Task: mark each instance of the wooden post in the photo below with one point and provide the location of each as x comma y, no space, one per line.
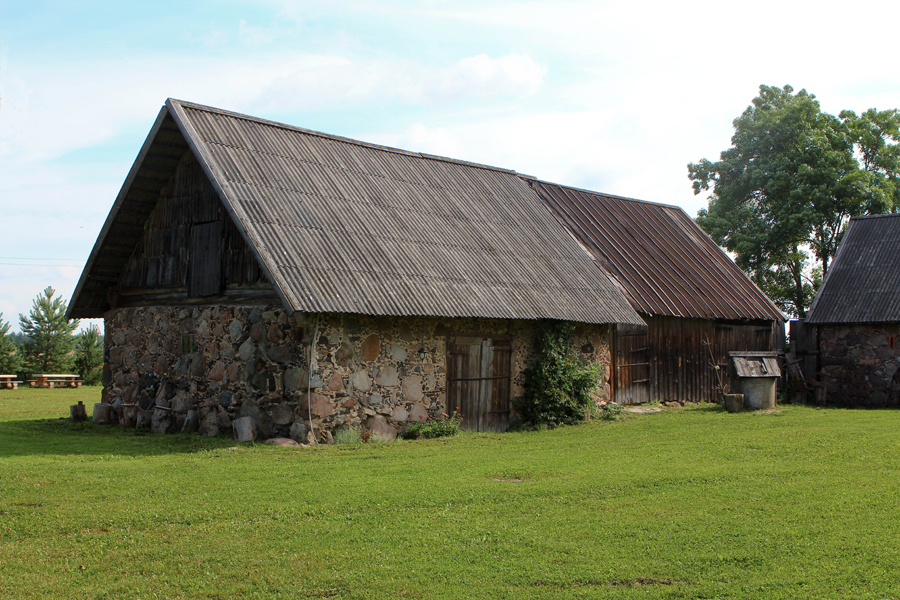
77,412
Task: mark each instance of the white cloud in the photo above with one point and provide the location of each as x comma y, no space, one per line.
313,82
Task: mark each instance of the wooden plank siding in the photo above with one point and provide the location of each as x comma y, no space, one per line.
190,248
679,362
478,381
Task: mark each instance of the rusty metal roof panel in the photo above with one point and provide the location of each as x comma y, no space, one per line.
345,226
863,282
662,260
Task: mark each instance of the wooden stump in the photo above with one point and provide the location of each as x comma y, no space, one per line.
734,402
161,421
104,414
128,414
78,412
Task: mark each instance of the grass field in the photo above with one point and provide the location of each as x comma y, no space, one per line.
688,503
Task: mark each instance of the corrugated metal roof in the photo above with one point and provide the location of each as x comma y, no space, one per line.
863,282
345,226
662,260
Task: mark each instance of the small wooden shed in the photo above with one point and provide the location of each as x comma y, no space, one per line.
854,322
698,305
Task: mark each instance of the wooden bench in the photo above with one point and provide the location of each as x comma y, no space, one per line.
52,380
8,382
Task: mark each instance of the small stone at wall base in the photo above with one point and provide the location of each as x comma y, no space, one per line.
244,429
379,428
280,442
400,414
263,421
299,432
209,422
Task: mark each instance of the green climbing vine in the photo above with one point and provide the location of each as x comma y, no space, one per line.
558,386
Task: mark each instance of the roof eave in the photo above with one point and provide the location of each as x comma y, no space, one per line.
73,311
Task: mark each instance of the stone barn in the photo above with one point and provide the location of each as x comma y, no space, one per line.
854,322
687,290
250,268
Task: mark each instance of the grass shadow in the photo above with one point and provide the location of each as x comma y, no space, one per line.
60,437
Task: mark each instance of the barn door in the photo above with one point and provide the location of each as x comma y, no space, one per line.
206,259
478,381
631,371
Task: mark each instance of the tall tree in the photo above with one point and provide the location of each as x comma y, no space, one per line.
789,183
10,357
48,336
89,355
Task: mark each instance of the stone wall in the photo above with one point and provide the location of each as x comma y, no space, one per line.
229,362
860,364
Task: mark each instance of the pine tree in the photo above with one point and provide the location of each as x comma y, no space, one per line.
10,356
48,336
89,355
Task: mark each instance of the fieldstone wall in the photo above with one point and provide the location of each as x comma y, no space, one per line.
175,368
860,364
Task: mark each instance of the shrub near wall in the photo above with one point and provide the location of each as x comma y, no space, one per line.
229,362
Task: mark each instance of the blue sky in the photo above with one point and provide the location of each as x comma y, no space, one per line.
610,96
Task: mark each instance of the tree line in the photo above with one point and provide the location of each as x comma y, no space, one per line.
48,343
784,191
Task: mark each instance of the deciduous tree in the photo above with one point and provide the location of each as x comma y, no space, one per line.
789,183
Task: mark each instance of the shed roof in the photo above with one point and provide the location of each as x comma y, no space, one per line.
344,226
664,263
863,283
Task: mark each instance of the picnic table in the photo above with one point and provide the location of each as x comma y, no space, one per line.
52,380
8,382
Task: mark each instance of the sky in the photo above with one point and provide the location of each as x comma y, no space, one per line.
616,97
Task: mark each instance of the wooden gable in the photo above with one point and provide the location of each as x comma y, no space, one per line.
190,250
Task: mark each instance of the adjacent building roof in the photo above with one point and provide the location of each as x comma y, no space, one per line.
863,282
663,262
343,226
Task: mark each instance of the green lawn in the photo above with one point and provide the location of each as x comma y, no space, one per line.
690,503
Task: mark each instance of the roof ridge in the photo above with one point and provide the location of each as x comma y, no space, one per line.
861,217
338,138
596,193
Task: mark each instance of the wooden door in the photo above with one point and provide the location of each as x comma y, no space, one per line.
478,381
631,366
206,259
